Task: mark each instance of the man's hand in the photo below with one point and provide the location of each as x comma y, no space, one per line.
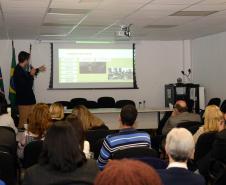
33,72
42,68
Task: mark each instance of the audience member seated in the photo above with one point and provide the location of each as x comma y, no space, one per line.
180,115
213,121
56,112
5,118
127,137
127,172
179,148
61,161
89,120
77,125
218,161
38,123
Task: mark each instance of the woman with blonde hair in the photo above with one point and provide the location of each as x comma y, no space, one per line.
89,120
56,112
213,121
38,123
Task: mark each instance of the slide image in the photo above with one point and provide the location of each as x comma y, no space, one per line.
120,74
92,67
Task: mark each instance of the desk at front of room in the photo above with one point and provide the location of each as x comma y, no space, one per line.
148,118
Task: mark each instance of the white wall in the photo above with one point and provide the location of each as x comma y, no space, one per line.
209,64
157,63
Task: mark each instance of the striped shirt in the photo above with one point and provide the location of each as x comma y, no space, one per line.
126,138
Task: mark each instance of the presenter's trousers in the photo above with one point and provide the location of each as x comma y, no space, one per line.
24,111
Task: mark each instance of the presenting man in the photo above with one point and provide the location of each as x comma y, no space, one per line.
23,81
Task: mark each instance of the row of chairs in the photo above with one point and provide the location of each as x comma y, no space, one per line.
102,102
9,166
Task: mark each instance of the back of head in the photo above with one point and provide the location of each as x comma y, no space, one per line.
23,56
56,111
61,151
88,119
3,104
212,118
39,119
214,101
77,126
127,172
181,106
179,144
128,115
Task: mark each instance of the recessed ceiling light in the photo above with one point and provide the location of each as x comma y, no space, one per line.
93,42
193,13
159,26
67,11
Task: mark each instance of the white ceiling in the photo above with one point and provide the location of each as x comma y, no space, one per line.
99,19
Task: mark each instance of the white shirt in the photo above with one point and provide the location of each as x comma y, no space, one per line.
177,165
7,121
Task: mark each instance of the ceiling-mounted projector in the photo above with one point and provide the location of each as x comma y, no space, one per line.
124,32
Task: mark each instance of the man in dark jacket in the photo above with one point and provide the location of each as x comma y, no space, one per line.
23,80
179,147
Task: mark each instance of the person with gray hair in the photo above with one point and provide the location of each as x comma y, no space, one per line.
179,148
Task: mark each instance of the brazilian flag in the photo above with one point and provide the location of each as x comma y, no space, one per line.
12,92
1,83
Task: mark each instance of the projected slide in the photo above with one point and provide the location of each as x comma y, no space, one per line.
106,66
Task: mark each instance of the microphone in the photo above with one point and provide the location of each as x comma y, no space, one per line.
189,71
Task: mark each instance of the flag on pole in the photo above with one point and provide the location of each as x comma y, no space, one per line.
1,83
12,92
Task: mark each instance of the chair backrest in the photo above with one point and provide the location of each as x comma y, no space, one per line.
122,103
154,162
91,104
217,172
8,168
214,101
204,145
106,102
192,126
32,152
8,140
144,154
135,152
96,138
223,106
77,101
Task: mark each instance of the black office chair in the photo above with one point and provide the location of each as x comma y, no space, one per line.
77,101
223,106
8,140
106,102
91,104
32,152
8,168
144,154
122,103
204,145
192,126
96,138
135,152
214,101
217,172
